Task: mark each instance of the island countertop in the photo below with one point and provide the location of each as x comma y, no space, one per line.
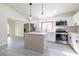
35,33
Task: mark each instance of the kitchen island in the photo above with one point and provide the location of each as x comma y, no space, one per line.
35,41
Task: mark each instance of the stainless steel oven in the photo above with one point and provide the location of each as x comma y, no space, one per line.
62,37
61,23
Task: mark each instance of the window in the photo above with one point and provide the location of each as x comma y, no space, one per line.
47,26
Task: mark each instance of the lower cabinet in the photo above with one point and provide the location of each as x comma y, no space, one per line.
35,41
51,36
74,41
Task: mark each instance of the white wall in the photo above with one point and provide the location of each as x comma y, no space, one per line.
5,14
16,28
10,13
19,29
11,28
3,31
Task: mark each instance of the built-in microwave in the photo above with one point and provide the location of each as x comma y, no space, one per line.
61,23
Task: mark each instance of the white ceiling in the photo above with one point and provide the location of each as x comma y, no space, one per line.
50,9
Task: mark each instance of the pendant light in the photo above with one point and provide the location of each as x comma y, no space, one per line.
42,11
30,17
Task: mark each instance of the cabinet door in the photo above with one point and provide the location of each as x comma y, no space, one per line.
76,21
70,22
51,36
75,44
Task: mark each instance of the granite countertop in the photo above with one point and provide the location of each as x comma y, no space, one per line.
77,33
72,29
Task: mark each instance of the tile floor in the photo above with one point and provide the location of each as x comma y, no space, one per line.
15,47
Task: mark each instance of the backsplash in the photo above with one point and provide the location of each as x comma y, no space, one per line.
72,29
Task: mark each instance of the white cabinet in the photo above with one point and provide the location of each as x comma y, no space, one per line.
76,19
70,22
74,41
51,36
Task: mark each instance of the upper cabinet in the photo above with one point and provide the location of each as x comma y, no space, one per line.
76,19
70,21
